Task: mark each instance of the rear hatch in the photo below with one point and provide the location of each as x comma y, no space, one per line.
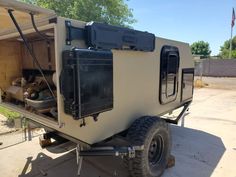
21,13
13,53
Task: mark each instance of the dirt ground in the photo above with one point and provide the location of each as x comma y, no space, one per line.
226,83
5,126
204,147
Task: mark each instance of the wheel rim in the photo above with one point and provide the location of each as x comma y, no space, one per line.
155,151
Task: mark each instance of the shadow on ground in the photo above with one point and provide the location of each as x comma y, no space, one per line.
197,154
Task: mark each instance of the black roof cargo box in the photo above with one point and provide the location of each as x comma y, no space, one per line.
104,36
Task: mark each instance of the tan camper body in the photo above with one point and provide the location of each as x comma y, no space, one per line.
137,86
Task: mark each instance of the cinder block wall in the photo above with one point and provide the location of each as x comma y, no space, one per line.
216,68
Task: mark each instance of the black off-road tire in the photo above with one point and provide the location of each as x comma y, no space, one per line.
154,134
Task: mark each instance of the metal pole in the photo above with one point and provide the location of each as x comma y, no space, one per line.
230,50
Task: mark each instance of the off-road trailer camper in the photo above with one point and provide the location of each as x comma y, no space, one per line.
90,82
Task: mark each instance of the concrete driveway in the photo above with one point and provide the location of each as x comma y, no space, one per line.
204,147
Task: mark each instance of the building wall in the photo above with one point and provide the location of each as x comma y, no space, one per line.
216,68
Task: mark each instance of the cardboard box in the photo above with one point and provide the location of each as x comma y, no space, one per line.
16,92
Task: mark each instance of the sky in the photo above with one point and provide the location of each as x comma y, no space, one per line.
186,20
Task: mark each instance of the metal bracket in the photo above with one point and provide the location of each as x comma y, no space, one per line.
131,152
181,115
73,33
29,131
105,151
112,151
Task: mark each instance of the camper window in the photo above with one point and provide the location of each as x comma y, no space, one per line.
169,74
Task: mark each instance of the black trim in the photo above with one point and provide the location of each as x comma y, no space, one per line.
186,71
174,50
53,20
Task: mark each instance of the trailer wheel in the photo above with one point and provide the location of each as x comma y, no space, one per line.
154,134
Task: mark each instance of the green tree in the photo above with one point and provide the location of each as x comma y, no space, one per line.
201,48
115,12
224,50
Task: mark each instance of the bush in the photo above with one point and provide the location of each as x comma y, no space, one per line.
10,115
